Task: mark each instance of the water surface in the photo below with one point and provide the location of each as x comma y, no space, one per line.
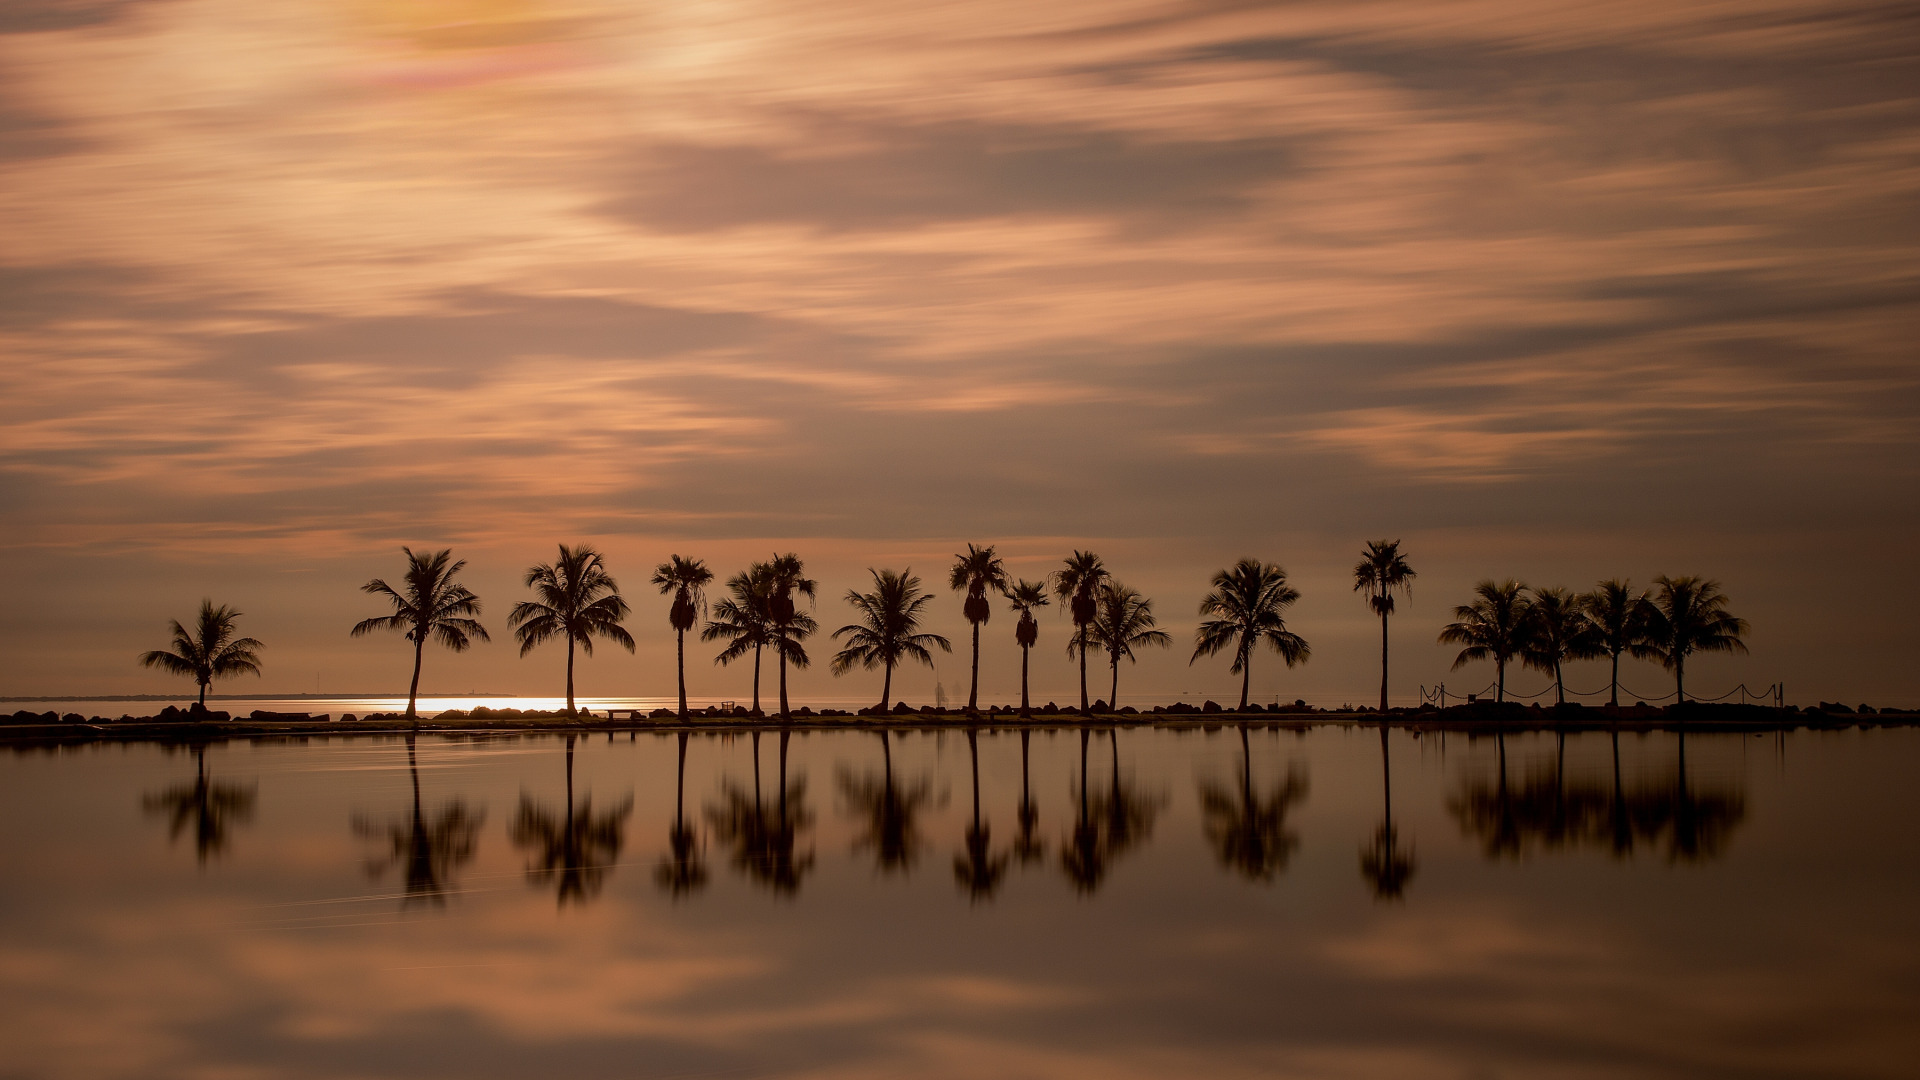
1139,903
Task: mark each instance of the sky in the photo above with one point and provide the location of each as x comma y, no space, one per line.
1560,293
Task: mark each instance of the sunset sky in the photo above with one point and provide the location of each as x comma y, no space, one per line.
1560,292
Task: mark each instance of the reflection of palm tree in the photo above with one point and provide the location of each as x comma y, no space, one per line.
429,605
889,810
1493,627
686,581
1123,621
1689,616
1028,846
574,849
1386,868
428,848
207,808
888,630
743,622
1129,813
1246,602
1026,595
210,652
763,838
1082,856
976,572
681,872
1249,832
1382,571
578,600
979,869
1077,585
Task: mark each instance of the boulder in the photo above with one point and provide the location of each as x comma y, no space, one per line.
1099,706
1210,706
903,709
662,714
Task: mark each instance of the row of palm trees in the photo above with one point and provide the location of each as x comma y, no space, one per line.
1546,628
578,601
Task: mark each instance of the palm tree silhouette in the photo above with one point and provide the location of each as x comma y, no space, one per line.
681,872
743,620
1386,868
427,848
888,630
578,600
1123,621
976,572
1382,571
575,848
1493,627
1247,600
1077,585
1028,846
1558,631
978,869
889,811
1249,832
1690,616
1025,596
210,652
787,626
203,806
1618,617
431,606
686,581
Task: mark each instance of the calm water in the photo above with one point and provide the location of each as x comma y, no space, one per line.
1730,906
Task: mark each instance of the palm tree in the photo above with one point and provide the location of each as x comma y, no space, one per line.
1083,855
1027,844
1689,616
1077,585
742,620
1025,596
1124,621
976,572
427,849
787,626
888,630
1380,571
889,811
1559,631
1247,600
578,600
686,581
431,606
1618,617
1492,627
575,848
210,652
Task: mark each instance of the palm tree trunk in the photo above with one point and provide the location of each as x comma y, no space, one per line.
784,714
756,678
1246,678
1113,695
973,689
886,691
1559,685
1083,668
1500,680
413,692
569,674
1383,663
1026,707
680,786
1679,677
1386,776
973,755
203,694
1614,700
680,647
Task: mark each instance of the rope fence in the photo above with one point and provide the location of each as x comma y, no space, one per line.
1774,694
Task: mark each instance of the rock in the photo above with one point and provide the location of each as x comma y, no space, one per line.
1128,710
903,709
1834,707
1099,706
1252,707
1210,706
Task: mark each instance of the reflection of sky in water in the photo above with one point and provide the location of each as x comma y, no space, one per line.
491,909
